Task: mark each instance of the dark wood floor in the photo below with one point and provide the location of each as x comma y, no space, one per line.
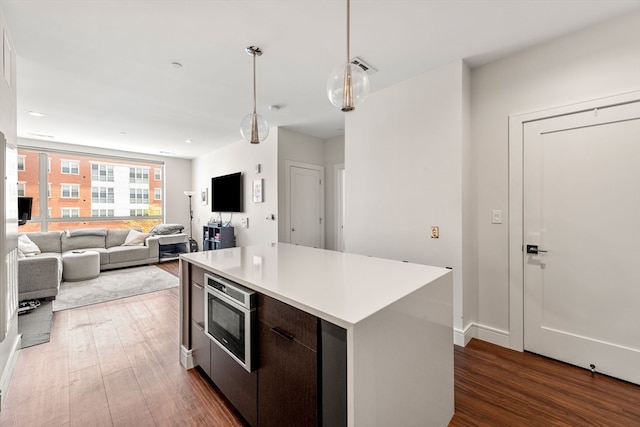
116,364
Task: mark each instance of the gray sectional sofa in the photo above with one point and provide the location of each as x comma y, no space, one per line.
39,275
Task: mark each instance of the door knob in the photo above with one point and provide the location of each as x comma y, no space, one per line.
533,249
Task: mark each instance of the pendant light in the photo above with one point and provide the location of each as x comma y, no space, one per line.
348,84
254,127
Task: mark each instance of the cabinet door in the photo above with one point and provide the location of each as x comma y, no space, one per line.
287,380
200,342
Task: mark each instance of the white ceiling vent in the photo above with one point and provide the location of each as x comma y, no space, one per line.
366,67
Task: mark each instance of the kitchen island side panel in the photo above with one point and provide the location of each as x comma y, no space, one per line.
400,361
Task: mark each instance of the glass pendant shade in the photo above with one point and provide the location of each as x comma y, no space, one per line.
254,128
347,86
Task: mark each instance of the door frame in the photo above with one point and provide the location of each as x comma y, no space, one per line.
287,217
516,201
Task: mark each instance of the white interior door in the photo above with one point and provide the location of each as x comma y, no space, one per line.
306,197
582,207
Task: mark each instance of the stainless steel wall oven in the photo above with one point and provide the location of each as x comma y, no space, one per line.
230,319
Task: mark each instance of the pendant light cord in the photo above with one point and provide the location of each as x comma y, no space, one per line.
254,82
348,28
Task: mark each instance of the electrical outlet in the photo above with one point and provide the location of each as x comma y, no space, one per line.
245,222
435,232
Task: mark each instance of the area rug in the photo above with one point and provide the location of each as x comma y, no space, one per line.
112,285
35,326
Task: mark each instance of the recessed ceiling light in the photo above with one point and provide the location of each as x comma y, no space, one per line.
35,114
166,152
188,141
176,65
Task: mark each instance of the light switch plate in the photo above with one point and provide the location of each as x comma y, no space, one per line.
245,222
496,216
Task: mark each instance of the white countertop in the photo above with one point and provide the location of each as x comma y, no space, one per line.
339,287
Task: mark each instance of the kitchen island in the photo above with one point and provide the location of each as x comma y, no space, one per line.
382,352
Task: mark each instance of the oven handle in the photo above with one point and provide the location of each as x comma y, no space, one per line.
278,331
213,291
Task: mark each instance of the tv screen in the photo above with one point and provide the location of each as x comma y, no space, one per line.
226,193
24,209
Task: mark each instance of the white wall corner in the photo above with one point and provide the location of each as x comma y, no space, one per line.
481,332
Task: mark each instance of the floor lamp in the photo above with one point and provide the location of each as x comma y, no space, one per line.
193,245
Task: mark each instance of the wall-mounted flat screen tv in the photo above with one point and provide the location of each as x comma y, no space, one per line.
24,209
226,193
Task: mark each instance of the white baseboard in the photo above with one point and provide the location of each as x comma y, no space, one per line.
186,358
8,370
482,332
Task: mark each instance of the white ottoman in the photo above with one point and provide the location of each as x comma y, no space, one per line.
80,265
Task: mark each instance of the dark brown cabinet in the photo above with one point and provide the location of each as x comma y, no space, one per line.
200,342
287,374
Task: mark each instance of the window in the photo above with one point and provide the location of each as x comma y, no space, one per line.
102,173
102,195
95,188
70,167
21,189
70,212
70,191
102,212
139,175
21,166
139,196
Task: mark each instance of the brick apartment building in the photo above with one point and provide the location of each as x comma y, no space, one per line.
90,192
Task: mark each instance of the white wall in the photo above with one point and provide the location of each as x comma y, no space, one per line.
242,157
177,173
404,153
333,156
597,62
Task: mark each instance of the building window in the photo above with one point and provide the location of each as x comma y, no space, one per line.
49,210
157,194
102,212
102,173
21,189
157,174
70,191
139,196
139,175
48,164
21,166
102,195
70,167
70,212
48,190
138,212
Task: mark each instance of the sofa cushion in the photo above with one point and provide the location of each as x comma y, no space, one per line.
135,238
166,229
26,246
117,237
47,241
119,254
82,242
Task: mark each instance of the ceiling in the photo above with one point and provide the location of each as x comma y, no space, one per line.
101,73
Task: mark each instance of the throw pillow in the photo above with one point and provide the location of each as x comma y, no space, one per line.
135,238
26,246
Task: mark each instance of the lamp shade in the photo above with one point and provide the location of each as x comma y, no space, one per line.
254,128
347,86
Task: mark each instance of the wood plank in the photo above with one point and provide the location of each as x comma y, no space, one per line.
126,402
88,405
